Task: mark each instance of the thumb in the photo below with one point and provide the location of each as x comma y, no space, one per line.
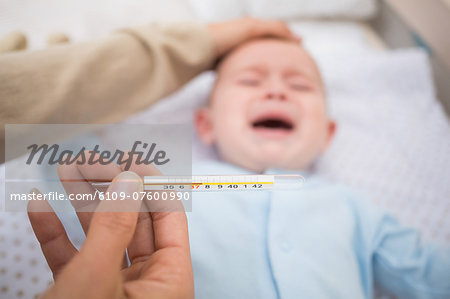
110,231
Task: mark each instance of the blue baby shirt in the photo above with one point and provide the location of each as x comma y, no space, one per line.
318,242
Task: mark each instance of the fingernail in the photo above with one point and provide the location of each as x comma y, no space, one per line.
128,182
38,204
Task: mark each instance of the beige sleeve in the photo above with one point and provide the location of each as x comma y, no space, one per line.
101,81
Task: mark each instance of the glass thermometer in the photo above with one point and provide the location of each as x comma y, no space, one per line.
219,182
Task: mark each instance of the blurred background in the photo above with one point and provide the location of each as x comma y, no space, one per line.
386,67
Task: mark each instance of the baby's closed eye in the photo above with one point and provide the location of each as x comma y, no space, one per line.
299,84
249,81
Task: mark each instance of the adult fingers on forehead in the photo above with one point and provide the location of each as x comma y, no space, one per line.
274,28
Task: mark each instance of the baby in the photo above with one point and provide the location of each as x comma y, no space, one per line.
268,108
268,114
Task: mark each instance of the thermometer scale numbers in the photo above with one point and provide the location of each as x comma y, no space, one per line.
209,183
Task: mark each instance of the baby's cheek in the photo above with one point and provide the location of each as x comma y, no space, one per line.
314,128
316,114
224,124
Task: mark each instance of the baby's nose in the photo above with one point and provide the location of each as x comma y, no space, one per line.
275,94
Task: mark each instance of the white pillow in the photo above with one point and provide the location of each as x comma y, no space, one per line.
283,9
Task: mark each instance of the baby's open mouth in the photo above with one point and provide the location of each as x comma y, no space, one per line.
273,124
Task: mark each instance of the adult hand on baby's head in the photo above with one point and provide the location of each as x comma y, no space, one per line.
227,35
157,243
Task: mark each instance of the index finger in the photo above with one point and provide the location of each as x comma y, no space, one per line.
273,28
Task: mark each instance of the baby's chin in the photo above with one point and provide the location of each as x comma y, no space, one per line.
298,156
281,159
262,164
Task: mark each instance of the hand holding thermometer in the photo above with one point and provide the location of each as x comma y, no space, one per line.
219,182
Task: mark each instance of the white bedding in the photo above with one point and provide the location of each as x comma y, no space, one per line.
284,9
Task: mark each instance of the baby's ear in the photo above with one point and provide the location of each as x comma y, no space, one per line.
331,131
204,126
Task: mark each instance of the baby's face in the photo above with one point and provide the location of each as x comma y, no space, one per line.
267,109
